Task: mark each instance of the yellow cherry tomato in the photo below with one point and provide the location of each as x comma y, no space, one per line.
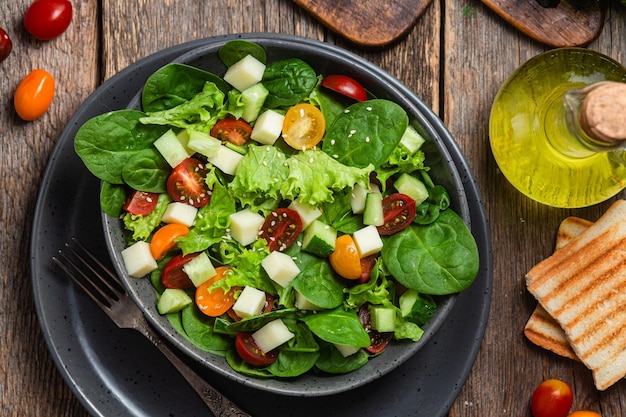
304,126
345,259
164,239
34,94
584,414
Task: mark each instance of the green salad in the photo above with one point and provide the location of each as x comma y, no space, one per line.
285,218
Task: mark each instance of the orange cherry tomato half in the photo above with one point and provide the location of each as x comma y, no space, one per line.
235,131
5,45
216,302
552,398
345,85
164,239
584,414
304,126
345,259
34,94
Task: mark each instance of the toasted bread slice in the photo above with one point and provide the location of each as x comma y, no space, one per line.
541,329
583,287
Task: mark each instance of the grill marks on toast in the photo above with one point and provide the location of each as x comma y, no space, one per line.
582,286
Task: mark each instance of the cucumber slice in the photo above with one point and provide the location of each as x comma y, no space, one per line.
411,186
253,99
173,300
373,212
319,239
383,319
411,140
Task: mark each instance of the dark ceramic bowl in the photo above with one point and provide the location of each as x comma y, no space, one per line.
325,59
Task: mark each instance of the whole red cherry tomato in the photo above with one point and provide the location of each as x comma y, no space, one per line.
5,45
345,85
47,19
551,398
34,94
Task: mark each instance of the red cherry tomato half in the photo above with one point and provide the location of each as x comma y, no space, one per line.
367,264
249,351
281,228
398,213
345,85
34,94
186,183
6,46
551,398
141,203
173,275
47,19
378,341
235,131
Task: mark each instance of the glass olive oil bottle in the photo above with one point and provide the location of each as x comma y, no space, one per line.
555,129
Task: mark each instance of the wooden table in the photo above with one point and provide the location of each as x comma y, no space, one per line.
455,59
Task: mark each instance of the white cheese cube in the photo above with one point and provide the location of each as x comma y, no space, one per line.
358,196
346,350
272,335
245,225
173,147
367,241
250,302
200,269
226,160
245,73
138,259
280,268
268,127
307,212
304,304
180,213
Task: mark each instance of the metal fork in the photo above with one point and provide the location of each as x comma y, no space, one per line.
106,289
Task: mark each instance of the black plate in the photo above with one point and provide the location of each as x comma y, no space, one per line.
117,372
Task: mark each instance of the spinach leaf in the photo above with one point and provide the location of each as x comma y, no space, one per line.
439,258
199,329
339,215
234,51
338,326
316,281
174,84
253,323
289,82
147,170
333,362
366,133
107,141
112,198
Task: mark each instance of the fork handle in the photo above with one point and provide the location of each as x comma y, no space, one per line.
218,403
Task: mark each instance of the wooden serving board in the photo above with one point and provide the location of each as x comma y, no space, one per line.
570,23
373,23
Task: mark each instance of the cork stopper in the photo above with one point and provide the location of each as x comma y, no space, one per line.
603,112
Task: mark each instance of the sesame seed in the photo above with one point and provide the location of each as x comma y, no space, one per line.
368,108
311,160
367,139
332,142
335,156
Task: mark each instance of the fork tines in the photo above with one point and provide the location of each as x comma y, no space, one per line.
89,273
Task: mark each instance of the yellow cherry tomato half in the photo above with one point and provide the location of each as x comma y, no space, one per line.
584,414
34,94
304,126
164,239
345,259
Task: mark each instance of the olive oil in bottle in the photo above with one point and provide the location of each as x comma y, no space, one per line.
558,130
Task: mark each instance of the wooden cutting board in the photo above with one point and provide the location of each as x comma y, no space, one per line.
570,23
373,23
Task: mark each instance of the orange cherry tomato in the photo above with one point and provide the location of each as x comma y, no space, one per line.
304,126
584,414
217,302
164,239
551,398
34,94
345,259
